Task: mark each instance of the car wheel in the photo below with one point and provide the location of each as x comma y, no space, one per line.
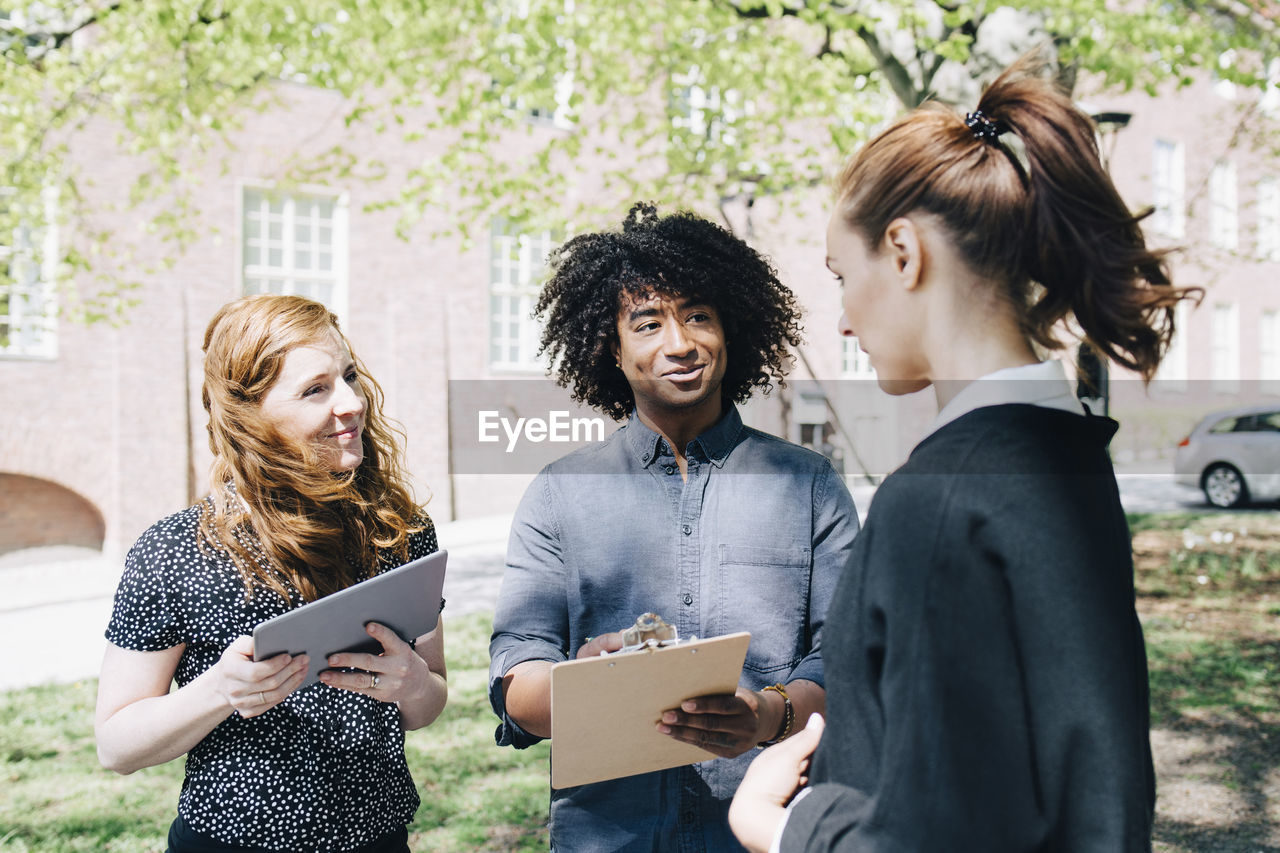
1224,486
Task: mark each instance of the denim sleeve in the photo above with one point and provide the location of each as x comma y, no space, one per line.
531,620
835,524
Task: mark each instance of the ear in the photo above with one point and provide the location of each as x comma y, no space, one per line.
903,243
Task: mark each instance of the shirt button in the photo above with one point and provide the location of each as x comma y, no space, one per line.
688,598
644,458
687,529
671,469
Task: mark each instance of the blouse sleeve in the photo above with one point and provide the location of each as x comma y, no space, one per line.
146,615
424,541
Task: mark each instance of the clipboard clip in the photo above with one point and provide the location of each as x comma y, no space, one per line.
651,631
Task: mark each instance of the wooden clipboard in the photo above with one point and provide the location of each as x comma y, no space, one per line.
605,710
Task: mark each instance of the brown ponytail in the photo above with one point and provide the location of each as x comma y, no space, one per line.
1054,235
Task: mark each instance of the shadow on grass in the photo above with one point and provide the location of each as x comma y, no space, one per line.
1192,673
1243,750
1190,837
1220,700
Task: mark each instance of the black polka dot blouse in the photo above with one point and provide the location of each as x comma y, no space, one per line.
324,770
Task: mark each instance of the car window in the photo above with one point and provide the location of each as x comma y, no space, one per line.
1269,422
1249,423
1225,425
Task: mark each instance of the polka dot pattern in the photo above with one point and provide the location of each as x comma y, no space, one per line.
324,770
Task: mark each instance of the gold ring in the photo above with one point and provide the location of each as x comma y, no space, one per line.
373,681
262,697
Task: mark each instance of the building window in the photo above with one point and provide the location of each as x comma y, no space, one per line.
1222,85
702,114
1271,95
1172,373
296,245
1269,219
1269,346
1222,200
550,108
517,265
27,298
854,362
1226,346
1169,184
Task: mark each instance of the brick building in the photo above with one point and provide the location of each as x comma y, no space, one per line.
105,432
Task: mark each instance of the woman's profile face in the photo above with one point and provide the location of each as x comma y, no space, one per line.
318,399
876,309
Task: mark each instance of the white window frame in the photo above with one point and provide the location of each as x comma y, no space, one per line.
1270,101
33,333
854,363
704,112
1224,230
286,277
1269,219
511,11
1269,345
1224,88
517,268
1172,373
1169,188
1225,347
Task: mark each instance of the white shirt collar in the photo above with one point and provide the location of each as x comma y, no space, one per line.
1043,384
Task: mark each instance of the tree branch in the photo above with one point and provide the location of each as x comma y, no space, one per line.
895,72
51,40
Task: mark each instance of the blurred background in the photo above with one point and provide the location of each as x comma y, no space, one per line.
411,164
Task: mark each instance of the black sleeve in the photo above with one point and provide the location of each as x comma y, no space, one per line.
1013,691
957,758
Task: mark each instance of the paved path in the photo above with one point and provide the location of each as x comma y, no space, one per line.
56,602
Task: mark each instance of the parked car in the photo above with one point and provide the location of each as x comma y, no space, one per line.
1233,456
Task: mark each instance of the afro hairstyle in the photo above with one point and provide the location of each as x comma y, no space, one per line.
681,256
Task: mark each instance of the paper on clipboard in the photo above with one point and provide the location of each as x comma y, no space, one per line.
605,710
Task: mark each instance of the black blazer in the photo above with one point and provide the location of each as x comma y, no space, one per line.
986,674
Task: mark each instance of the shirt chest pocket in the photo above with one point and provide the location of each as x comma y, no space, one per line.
765,590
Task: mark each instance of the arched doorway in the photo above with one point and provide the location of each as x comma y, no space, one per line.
37,513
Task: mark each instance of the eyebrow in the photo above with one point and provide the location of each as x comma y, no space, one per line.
351,365
682,305
637,313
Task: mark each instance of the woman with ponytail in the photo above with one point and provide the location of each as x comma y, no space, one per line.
308,497
986,673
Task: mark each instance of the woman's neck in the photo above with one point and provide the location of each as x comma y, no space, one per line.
965,351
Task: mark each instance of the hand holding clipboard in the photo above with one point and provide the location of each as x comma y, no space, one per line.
605,709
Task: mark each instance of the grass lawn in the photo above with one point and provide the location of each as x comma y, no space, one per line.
1208,595
56,797
1209,598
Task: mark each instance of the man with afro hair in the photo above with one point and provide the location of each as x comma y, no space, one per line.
684,511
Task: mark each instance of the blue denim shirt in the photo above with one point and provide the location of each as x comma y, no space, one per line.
753,541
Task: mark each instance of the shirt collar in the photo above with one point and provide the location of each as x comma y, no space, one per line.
716,443
1044,384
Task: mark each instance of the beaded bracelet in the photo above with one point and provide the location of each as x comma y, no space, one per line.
788,715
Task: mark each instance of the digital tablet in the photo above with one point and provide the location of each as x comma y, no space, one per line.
405,599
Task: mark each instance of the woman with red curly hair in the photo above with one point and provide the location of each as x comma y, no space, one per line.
308,497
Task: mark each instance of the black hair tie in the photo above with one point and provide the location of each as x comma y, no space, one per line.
984,129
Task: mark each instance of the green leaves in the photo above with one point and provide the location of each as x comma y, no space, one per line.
516,106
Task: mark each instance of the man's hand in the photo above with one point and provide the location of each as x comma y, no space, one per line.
610,642
772,780
726,725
